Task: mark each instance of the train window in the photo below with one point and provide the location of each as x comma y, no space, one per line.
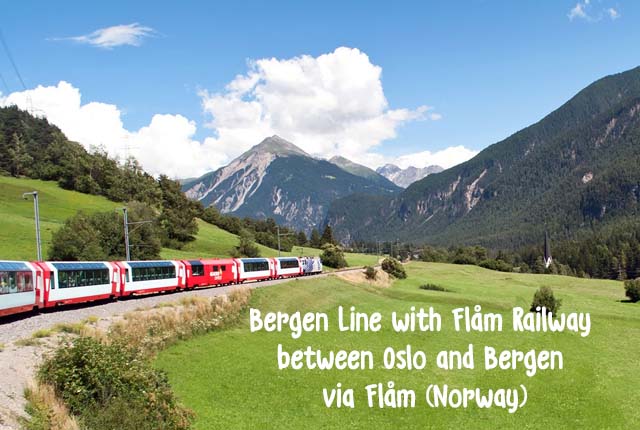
82,278
256,266
215,268
153,273
223,268
289,264
63,279
15,282
197,268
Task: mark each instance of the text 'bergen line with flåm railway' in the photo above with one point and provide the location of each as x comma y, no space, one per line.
418,319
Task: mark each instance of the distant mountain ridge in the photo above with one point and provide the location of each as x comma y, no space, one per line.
362,171
405,177
578,168
277,179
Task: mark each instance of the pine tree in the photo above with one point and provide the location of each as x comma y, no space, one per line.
18,156
315,240
327,236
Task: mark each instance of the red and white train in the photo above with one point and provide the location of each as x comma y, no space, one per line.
25,286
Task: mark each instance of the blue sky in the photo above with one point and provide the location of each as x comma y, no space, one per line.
489,68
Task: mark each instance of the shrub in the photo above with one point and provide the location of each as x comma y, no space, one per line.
97,381
394,268
632,289
498,265
370,273
332,256
544,298
432,287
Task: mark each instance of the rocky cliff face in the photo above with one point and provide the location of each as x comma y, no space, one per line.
405,177
277,179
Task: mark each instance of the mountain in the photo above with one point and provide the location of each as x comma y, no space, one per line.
362,171
405,177
576,170
277,179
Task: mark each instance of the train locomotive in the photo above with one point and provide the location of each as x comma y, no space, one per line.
27,286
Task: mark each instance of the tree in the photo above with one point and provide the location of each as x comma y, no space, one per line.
246,246
315,241
18,156
632,289
333,256
327,236
177,218
394,268
100,236
544,297
301,238
76,240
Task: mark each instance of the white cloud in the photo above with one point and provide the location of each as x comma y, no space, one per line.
445,158
586,11
166,145
328,105
117,35
578,11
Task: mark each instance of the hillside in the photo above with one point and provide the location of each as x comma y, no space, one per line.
17,228
277,179
575,169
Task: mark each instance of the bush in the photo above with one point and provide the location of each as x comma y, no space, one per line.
333,256
544,298
97,381
394,268
498,265
370,273
432,287
632,289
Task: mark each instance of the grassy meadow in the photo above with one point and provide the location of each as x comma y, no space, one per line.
17,228
231,379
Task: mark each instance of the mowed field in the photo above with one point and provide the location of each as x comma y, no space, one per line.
17,227
231,380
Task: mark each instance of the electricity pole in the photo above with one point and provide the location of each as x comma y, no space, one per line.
36,208
126,222
281,234
126,233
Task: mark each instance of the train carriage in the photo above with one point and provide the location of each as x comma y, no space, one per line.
76,282
144,277
17,287
255,269
287,267
311,265
208,272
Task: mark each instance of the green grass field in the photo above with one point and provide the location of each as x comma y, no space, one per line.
231,380
17,228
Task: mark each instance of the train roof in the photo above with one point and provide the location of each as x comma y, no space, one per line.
79,265
140,264
14,266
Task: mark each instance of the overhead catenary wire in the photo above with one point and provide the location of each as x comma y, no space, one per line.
11,60
4,84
